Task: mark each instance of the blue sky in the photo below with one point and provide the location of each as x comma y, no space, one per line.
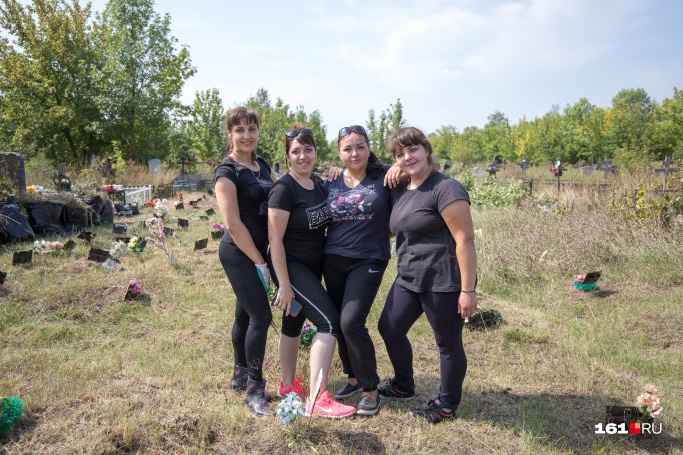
450,62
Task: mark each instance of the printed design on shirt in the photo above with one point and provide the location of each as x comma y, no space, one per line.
351,204
318,216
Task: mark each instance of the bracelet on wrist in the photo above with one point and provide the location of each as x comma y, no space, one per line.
467,292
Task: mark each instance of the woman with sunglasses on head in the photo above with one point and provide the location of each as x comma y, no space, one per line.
437,267
356,255
297,219
243,181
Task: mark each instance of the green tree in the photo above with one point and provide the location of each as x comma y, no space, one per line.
207,138
47,92
379,129
668,130
142,78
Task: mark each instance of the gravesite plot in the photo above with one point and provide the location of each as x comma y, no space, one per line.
551,369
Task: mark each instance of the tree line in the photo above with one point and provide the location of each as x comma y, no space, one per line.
634,131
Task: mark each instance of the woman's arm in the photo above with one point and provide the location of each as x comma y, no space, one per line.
277,225
459,221
394,176
226,196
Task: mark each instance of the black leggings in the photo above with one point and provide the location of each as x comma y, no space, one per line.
317,306
252,310
402,309
352,284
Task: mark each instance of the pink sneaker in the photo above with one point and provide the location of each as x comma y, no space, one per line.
327,407
296,388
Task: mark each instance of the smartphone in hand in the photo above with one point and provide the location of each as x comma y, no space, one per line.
294,307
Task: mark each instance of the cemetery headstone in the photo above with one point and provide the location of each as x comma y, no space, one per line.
154,166
183,223
168,232
12,168
201,244
22,257
180,206
3,276
203,217
98,255
586,170
68,246
122,239
120,228
607,167
210,212
477,171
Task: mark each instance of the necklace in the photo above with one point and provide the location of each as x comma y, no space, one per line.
257,175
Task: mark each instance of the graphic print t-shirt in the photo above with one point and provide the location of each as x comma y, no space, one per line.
360,218
304,238
252,196
424,244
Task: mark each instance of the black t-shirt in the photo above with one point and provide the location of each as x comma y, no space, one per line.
304,238
424,244
252,195
360,218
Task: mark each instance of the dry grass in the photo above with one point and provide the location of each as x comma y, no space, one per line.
104,375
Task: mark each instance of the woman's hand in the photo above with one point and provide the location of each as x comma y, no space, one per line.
283,299
334,173
467,304
394,176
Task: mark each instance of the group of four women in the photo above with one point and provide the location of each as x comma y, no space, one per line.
304,229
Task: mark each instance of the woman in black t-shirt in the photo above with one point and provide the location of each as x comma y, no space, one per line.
243,181
437,266
297,218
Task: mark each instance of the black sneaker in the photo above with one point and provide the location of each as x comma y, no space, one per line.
368,406
346,391
435,412
390,391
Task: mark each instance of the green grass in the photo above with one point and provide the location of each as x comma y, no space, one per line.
102,375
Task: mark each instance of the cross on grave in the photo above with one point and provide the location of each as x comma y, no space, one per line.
182,163
607,167
557,170
524,164
667,169
493,168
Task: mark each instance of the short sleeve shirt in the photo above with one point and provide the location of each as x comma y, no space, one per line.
304,238
424,244
252,195
360,218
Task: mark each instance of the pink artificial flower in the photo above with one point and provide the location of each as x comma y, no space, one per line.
579,278
137,288
132,282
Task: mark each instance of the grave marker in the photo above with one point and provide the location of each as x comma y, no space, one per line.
120,228
607,167
22,257
168,232
557,170
180,206
210,212
122,239
3,275
87,236
201,244
154,166
183,223
524,164
12,168
98,255
667,169
68,246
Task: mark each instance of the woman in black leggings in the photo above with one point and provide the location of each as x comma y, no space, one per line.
437,266
297,218
243,181
356,255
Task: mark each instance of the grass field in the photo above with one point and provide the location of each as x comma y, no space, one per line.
104,375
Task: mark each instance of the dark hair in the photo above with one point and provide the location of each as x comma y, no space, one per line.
405,137
238,115
305,139
374,167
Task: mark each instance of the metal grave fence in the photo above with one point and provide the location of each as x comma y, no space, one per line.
138,194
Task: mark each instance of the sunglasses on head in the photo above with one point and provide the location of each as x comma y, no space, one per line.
351,129
294,133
